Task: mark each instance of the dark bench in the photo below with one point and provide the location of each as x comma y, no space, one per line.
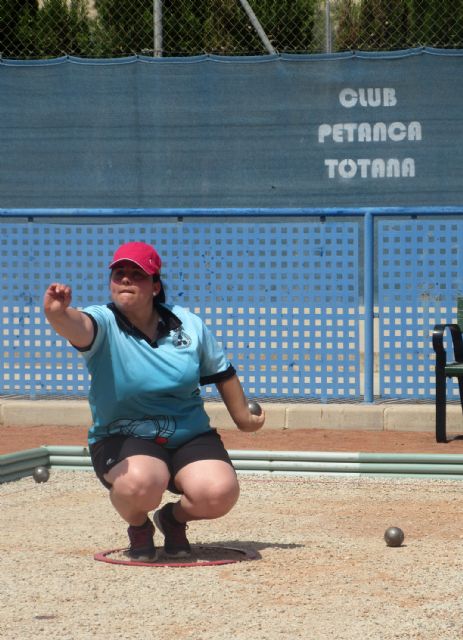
444,370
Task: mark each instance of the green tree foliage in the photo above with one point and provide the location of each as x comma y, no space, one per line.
374,25
57,27
347,26
288,24
123,27
192,27
15,15
437,24
225,27
41,28
63,27
399,24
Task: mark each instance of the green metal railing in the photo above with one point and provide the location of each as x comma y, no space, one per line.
18,465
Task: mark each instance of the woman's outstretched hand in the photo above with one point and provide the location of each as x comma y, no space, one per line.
57,299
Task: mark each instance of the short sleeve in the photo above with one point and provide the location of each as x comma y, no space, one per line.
100,317
214,365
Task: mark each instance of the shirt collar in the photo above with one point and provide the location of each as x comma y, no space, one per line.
168,321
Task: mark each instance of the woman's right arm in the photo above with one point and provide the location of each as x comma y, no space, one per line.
68,322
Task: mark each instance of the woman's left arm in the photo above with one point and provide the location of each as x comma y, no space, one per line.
237,405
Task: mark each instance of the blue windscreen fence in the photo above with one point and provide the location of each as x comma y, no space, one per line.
309,305
281,296
420,279
340,130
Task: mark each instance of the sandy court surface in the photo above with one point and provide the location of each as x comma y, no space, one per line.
323,569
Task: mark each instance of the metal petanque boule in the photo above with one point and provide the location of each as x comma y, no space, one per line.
41,474
254,407
394,536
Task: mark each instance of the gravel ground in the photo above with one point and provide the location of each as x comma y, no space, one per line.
322,571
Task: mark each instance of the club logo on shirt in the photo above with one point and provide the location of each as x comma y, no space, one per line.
180,339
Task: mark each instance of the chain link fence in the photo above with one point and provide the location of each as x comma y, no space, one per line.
111,28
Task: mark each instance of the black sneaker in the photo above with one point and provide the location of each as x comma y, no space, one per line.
141,542
176,544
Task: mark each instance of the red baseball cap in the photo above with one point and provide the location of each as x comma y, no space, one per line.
141,254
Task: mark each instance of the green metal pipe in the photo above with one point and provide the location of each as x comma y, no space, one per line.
422,469
66,467
317,474
10,477
62,450
287,465
336,456
23,465
293,455
310,463
79,461
431,458
341,456
300,466
336,467
27,454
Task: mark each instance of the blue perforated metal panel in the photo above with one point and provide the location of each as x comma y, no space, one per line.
282,297
420,276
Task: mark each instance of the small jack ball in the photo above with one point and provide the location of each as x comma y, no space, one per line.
41,474
394,536
254,407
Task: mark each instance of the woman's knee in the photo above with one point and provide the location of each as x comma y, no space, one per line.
138,478
215,499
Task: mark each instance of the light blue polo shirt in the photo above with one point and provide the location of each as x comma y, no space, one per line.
151,390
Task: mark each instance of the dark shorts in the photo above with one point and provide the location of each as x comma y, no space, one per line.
107,453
